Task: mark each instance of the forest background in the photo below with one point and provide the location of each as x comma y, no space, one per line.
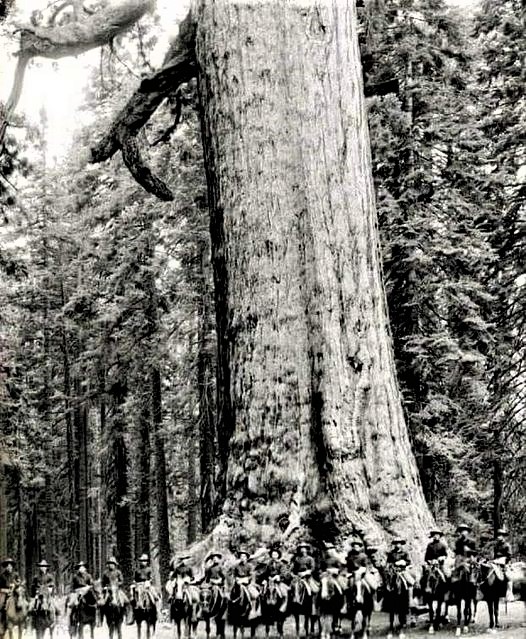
108,330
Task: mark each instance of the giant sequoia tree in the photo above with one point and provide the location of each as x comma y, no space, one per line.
310,424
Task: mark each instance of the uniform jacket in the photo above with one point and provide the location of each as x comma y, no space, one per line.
214,572
435,550
463,546
301,563
41,579
356,560
143,574
111,578
397,555
81,579
243,570
502,549
8,579
182,571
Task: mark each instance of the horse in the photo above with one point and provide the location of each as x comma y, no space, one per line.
304,602
44,611
360,601
397,599
16,610
184,605
112,609
492,583
436,590
240,610
213,605
274,604
144,602
332,600
83,611
464,591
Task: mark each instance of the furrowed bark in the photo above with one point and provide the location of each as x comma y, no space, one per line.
310,421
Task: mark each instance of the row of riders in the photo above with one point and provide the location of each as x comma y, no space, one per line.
265,588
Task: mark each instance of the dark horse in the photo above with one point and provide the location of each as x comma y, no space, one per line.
44,611
303,602
360,602
274,605
492,583
435,590
240,610
184,605
213,604
112,609
464,591
332,600
396,599
144,602
83,605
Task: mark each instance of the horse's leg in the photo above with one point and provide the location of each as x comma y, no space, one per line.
489,603
496,602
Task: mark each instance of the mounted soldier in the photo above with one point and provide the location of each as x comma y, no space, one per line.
398,557
275,570
214,573
502,557
243,574
181,569
112,578
465,546
81,578
42,579
334,565
356,561
304,567
436,553
143,576
9,582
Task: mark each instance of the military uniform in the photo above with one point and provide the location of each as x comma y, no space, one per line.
436,551
112,578
8,581
502,549
398,557
183,571
80,580
356,559
215,573
502,555
143,573
303,564
465,547
41,579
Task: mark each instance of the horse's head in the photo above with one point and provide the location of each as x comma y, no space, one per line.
271,594
327,587
206,598
178,591
297,590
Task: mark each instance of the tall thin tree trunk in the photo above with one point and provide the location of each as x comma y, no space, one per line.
207,433
82,475
160,477
142,529
309,413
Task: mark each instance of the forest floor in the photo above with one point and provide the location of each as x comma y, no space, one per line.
513,627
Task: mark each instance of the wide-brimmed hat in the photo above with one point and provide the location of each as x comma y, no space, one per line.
214,553
276,549
398,540
243,551
463,527
79,564
435,531
303,544
356,542
112,560
144,557
8,560
43,564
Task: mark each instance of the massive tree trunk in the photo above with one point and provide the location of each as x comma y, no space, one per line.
310,419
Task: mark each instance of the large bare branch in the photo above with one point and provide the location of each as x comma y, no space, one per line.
59,41
179,67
